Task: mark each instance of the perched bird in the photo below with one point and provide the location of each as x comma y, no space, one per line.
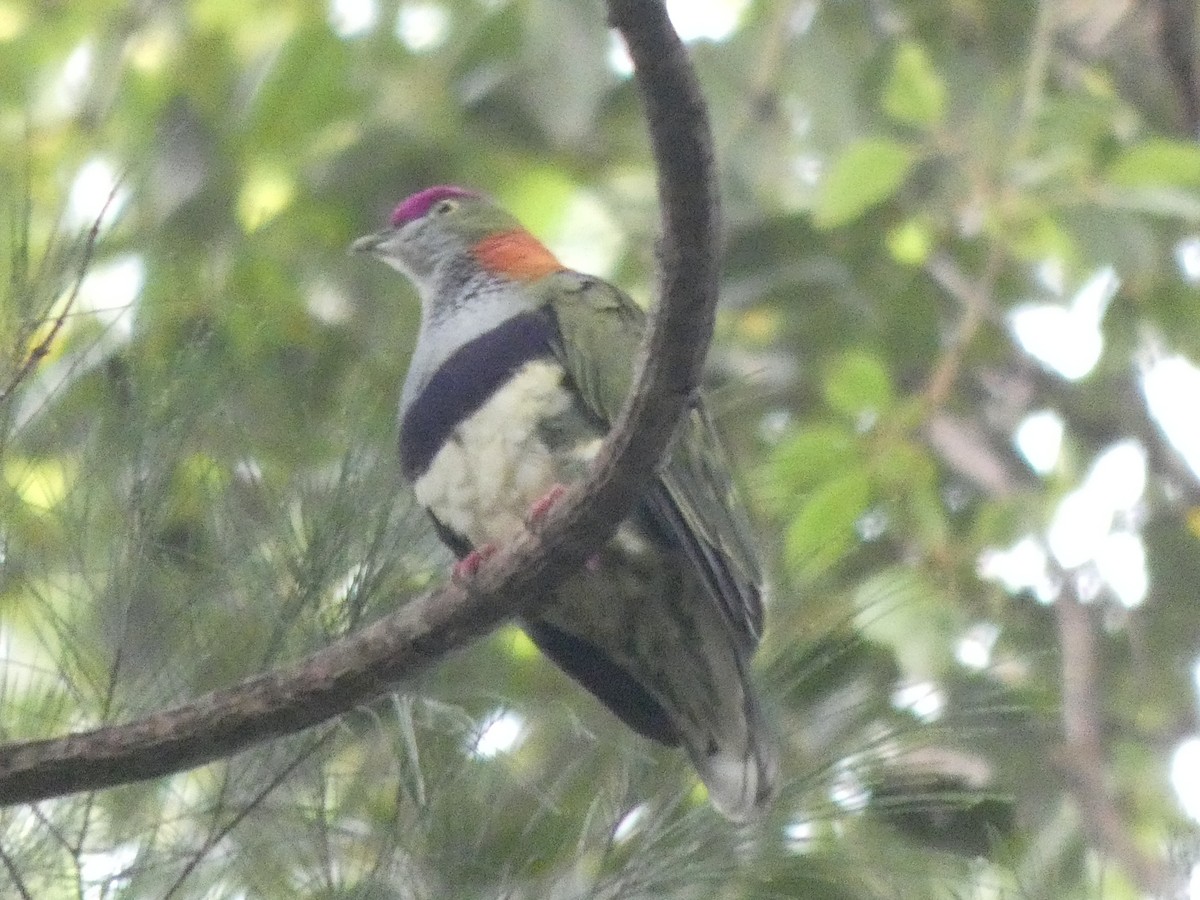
521,366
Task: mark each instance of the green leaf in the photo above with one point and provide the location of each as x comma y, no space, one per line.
1036,233
915,93
824,528
869,172
858,383
813,455
1158,162
911,243
903,608
905,466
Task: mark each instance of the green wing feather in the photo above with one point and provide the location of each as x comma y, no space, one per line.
693,499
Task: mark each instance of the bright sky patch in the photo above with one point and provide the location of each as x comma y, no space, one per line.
499,735
1039,439
352,18
422,27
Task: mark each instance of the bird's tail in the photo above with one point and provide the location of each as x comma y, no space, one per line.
740,766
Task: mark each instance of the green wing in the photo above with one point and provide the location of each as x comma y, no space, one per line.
693,501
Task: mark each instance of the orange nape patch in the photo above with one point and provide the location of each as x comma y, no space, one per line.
516,254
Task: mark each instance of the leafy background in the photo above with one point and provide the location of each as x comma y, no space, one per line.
960,300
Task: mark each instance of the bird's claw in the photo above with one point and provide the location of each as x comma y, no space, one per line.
542,506
465,569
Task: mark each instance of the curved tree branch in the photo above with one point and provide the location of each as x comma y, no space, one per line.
1083,763
358,669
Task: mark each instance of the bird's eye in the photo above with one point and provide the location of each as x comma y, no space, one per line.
445,206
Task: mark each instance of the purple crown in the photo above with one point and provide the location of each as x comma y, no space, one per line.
419,203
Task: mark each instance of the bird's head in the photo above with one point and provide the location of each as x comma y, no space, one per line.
448,224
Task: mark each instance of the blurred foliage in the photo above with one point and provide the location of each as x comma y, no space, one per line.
198,474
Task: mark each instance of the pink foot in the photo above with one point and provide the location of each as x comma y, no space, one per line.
465,568
542,505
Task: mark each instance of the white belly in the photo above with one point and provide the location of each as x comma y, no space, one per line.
483,481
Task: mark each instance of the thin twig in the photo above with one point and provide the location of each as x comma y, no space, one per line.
1035,76
18,883
245,809
42,348
975,301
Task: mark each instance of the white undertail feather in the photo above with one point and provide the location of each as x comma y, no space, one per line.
742,776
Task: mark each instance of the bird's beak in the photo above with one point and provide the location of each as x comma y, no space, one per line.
370,243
